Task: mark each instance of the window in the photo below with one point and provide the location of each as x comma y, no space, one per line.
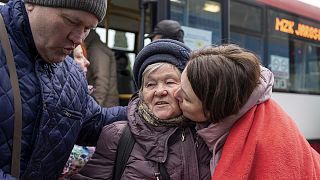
293,59
305,67
295,65
121,40
252,43
245,16
202,19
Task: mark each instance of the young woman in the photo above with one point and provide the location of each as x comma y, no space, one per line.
249,134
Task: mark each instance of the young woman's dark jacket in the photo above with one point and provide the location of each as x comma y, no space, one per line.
186,157
57,110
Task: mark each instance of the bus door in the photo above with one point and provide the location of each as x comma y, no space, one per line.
124,30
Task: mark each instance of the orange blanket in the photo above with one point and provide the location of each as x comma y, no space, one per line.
266,144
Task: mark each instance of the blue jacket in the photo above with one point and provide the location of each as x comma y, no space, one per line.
57,109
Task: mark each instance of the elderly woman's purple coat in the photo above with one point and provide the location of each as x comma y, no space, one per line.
185,155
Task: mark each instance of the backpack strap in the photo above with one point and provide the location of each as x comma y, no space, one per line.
163,172
124,149
16,149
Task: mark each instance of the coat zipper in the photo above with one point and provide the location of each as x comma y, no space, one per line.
183,136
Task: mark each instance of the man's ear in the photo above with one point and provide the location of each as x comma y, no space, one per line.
29,7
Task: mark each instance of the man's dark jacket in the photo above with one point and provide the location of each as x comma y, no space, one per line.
57,109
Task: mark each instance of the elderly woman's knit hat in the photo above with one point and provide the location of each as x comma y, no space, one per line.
96,7
163,50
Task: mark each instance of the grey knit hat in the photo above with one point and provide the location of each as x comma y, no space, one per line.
162,50
96,7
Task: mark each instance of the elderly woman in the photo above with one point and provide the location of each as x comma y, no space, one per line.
163,136
250,136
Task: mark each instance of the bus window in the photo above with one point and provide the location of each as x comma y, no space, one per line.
201,21
121,40
123,45
309,54
102,34
313,68
249,19
253,43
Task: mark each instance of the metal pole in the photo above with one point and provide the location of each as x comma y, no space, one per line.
142,7
163,10
225,19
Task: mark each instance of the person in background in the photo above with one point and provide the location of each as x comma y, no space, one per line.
249,134
162,135
102,73
167,29
124,77
57,110
80,56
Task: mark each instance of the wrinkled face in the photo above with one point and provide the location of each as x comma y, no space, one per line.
57,31
158,89
190,104
80,59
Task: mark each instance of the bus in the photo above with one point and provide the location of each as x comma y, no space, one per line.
285,34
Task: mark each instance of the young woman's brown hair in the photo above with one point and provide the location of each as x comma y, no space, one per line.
227,87
221,92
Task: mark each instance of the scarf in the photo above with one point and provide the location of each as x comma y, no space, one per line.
265,143
150,118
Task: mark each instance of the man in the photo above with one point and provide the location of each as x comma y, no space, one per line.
102,72
167,29
57,110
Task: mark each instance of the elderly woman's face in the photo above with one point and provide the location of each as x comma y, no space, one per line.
158,89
